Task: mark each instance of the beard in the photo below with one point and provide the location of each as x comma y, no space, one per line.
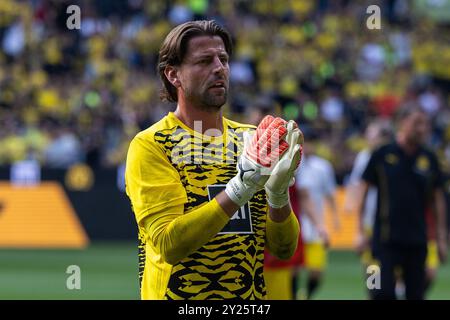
207,100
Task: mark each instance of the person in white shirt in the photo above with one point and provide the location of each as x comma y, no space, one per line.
316,177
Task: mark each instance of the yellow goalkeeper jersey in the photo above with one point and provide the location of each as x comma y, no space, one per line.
169,165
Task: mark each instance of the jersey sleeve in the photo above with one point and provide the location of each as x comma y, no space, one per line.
157,196
152,183
370,173
282,237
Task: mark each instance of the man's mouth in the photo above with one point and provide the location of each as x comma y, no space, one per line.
218,84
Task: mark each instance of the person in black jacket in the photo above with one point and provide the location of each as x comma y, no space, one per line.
409,182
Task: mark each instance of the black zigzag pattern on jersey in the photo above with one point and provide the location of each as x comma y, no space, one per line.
141,257
229,266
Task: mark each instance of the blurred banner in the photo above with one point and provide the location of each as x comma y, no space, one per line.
38,216
68,208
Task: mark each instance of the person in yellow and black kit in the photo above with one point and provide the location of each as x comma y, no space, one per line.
209,194
409,181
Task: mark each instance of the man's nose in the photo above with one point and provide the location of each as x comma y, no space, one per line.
219,67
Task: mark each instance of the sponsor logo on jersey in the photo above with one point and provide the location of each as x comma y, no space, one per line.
241,221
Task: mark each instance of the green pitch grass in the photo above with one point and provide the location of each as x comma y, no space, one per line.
109,271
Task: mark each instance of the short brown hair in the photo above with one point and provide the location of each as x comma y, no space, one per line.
174,48
405,111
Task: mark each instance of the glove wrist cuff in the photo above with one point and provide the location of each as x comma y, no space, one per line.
277,200
238,192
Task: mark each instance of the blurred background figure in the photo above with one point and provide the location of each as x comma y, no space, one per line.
377,133
259,108
316,178
64,150
409,183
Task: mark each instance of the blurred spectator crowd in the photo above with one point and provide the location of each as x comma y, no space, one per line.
69,96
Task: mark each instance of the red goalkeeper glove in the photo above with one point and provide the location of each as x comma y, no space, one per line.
261,152
283,174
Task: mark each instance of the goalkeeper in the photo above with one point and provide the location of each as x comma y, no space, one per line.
209,194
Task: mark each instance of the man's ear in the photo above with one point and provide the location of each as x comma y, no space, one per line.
171,74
